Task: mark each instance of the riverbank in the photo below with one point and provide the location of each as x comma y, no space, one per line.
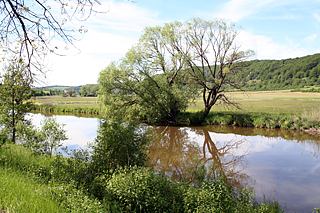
70,185
264,109
236,119
249,119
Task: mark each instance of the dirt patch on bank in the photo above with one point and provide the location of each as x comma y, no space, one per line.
313,131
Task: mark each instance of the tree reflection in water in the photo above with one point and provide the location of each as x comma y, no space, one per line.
180,154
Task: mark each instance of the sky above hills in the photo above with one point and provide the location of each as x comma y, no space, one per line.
274,29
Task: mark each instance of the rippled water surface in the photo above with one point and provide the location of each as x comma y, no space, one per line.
279,165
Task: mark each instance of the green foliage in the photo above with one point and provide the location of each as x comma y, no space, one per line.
15,92
148,84
74,200
89,90
281,74
118,145
141,190
45,140
210,197
53,133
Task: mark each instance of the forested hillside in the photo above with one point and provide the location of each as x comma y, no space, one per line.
281,74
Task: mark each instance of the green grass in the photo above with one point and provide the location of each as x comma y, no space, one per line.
273,102
31,182
20,193
67,105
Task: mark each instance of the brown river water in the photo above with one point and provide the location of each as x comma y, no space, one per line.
277,164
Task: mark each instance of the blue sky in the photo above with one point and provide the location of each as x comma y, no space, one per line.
274,29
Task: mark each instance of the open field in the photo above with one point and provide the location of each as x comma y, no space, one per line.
268,102
299,103
66,101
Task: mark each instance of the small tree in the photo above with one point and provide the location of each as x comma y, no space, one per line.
15,94
53,133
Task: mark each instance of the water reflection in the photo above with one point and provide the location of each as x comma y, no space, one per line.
277,168
192,155
279,164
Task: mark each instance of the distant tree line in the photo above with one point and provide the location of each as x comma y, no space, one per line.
44,92
88,90
281,74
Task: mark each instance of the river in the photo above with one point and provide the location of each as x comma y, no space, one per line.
279,165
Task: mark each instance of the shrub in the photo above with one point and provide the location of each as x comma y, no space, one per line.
74,200
210,197
118,145
141,190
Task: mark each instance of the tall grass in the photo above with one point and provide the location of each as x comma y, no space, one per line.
49,178
311,115
20,193
83,110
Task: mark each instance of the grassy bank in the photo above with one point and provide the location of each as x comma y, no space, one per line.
90,111
20,193
86,106
257,120
38,183
34,183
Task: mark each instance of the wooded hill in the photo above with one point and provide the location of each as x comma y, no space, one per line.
281,74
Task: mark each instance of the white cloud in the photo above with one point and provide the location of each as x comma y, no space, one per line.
235,10
109,36
311,38
266,48
316,16
123,16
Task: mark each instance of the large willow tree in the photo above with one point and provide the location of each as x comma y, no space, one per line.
169,66
148,84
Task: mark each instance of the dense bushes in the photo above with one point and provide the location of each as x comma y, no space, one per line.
74,200
141,190
118,145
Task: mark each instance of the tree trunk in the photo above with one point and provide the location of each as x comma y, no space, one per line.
13,119
205,112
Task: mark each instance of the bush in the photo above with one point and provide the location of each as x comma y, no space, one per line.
74,200
118,145
210,197
141,190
